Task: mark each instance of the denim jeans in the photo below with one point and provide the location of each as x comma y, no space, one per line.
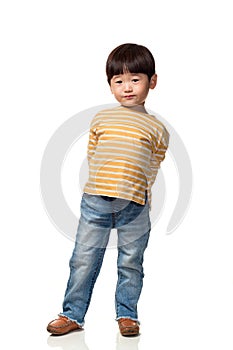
99,214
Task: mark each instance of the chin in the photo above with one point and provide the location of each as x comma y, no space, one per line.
129,104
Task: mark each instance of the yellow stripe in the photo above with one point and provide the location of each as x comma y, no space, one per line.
132,144
125,132
118,170
125,148
97,180
115,154
115,128
118,163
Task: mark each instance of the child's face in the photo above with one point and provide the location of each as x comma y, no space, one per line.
131,89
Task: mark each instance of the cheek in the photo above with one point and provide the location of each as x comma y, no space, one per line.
113,91
116,91
145,90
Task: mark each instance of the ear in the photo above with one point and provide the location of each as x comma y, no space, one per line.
153,81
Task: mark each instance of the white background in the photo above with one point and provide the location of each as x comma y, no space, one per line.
53,57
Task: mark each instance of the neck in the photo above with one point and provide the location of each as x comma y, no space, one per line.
138,108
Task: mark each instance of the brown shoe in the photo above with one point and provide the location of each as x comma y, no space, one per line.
128,327
62,325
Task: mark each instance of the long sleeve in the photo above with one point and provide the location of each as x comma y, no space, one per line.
158,154
92,143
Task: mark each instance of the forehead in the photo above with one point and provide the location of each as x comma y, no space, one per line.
128,75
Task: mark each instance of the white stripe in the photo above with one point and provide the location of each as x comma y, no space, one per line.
159,155
117,167
115,172
118,142
115,178
141,128
111,158
103,149
113,130
162,150
128,184
122,137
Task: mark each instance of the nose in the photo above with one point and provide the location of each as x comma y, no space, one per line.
128,87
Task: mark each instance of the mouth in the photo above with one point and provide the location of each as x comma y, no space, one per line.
129,97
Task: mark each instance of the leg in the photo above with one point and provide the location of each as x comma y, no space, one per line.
86,261
130,277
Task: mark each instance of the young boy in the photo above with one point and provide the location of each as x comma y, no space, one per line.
126,147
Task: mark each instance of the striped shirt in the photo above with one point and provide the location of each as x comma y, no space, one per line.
125,150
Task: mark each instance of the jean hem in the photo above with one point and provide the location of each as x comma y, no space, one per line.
81,324
129,318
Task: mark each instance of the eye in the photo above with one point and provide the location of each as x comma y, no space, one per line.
135,80
118,81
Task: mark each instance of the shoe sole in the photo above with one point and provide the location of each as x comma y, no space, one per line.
130,333
57,332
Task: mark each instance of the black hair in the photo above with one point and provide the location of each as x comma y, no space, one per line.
131,58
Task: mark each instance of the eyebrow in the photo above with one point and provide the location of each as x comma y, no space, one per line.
120,75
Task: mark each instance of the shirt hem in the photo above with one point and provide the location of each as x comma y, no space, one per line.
115,195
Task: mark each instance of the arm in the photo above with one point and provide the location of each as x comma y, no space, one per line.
92,143
159,149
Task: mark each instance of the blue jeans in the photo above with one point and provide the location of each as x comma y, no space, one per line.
99,214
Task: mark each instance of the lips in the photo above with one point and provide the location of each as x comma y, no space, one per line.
128,97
